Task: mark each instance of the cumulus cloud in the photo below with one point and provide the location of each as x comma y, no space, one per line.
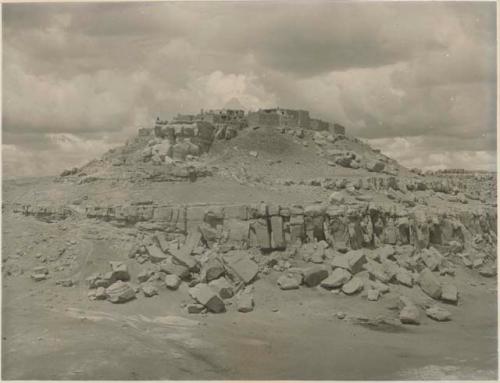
414,75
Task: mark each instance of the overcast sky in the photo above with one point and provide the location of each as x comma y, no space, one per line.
417,80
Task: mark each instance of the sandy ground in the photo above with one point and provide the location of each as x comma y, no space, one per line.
52,332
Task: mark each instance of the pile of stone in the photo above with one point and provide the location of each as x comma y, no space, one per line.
215,279
112,285
217,275
372,272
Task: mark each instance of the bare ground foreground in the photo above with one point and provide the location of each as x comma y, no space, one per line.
52,332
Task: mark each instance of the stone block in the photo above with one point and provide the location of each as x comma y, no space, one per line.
430,284
203,294
314,275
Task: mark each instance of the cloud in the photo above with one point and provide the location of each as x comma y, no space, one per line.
66,151
387,71
421,152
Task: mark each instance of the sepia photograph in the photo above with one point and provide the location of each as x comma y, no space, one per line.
249,190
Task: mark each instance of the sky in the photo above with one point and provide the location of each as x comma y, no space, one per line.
414,79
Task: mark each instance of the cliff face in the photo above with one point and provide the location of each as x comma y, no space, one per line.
268,227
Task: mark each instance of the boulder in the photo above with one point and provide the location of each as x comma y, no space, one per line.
383,253
208,233
245,302
149,289
477,263
237,232
438,314
356,259
119,271
390,268
381,287
410,315
222,287
168,267
120,292
431,258
429,284
99,280
336,198
172,281
449,294
354,286
375,166
288,282
38,277
155,254
344,160
183,255
373,295
145,274
376,271
211,270
317,257
336,279
162,242
195,308
353,261
100,293
203,294
243,267
340,261
296,273
487,271
314,275
404,278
